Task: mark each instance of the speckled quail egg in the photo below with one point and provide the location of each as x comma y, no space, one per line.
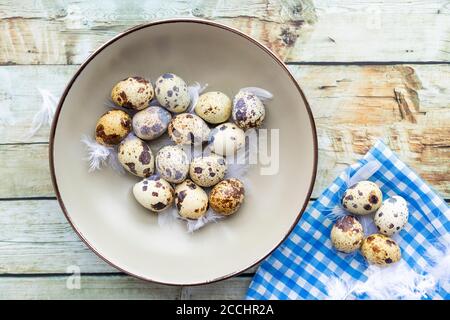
172,164
112,127
132,93
392,216
213,107
248,110
154,193
172,93
151,123
136,156
226,139
188,128
227,196
207,171
380,249
347,234
362,198
190,200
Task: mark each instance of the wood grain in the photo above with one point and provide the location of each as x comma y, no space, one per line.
352,106
49,32
115,287
35,238
91,287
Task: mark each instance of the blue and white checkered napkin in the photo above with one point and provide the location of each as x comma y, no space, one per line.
305,264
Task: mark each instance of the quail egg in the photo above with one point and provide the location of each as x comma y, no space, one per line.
248,110
172,164
132,93
207,171
188,128
172,93
112,127
136,156
392,216
362,198
213,107
226,139
190,200
154,193
347,234
151,123
227,196
380,249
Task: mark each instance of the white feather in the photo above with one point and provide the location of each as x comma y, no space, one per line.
195,90
261,93
439,256
394,282
210,216
335,213
337,289
45,114
99,156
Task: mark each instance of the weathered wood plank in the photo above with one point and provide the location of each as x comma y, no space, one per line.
115,287
231,289
35,238
49,32
91,287
352,105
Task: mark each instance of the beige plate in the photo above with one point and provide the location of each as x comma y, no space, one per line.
100,205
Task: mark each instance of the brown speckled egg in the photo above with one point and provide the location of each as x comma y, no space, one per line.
190,200
172,164
154,193
227,196
380,249
362,198
347,234
248,110
136,156
112,127
213,107
188,128
132,93
151,123
226,139
392,216
172,93
208,171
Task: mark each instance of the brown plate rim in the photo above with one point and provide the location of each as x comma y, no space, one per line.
146,25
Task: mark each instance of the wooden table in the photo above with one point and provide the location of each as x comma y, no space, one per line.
370,69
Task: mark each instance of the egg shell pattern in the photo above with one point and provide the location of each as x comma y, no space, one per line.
208,171
392,216
154,193
172,164
227,196
190,200
347,234
133,93
112,127
380,249
136,156
362,198
151,123
172,93
188,128
213,107
226,139
248,110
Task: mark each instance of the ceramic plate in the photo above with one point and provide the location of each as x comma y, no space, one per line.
100,205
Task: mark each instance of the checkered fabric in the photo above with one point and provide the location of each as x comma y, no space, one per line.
302,265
